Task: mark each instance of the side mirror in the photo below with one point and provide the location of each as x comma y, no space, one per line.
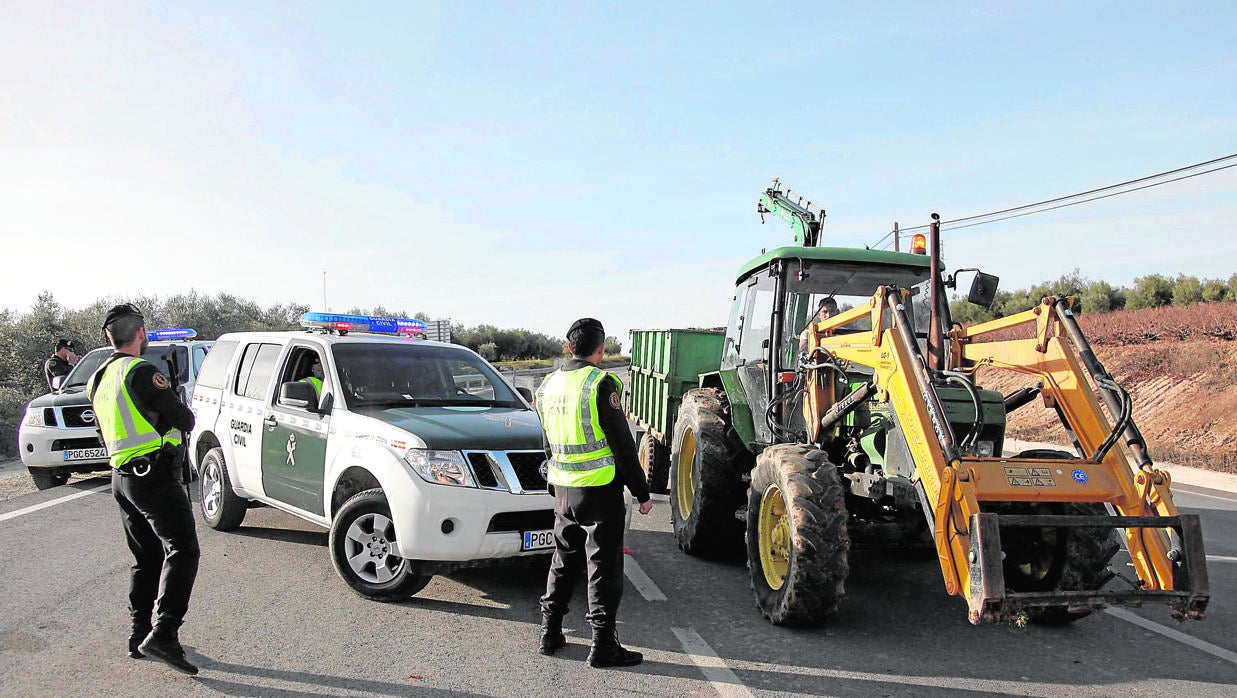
983,289
298,394
58,381
525,393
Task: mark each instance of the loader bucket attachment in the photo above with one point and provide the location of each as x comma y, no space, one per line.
989,600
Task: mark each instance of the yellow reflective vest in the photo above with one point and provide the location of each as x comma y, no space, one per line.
567,405
315,382
127,432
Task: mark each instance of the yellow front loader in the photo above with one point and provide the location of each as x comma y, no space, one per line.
984,510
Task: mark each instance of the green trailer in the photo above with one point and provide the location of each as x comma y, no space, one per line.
665,364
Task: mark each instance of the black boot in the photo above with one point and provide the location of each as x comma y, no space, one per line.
164,645
138,634
608,652
552,638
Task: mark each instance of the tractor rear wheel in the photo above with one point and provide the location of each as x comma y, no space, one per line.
797,543
1057,559
655,460
706,484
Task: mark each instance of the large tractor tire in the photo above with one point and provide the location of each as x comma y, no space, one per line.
706,483
1057,559
655,460
797,544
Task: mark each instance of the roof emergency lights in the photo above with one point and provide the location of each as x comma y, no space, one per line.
919,244
340,322
170,333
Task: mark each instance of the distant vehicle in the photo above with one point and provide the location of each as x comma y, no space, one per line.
416,455
58,435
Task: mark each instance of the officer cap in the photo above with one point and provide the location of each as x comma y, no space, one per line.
119,311
583,323
64,344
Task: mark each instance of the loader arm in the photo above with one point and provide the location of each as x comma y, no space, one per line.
1166,547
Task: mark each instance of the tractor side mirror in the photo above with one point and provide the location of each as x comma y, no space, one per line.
983,289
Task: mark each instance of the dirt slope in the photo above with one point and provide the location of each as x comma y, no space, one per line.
1183,381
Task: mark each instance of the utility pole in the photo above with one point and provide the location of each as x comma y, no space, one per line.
897,245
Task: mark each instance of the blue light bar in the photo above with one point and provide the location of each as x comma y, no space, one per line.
343,322
170,333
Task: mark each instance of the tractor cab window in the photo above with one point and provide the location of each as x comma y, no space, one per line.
850,286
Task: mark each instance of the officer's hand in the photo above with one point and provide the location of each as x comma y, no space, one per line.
646,506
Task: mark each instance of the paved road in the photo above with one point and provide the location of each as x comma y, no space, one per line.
271,618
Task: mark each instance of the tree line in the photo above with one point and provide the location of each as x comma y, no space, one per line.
1151,291
27,339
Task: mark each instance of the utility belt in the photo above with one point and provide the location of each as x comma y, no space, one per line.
163,463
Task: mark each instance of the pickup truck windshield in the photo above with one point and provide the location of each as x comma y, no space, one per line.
418,375
156,355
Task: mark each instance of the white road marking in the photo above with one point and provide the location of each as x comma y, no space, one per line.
714,669
1192,493
52,503
1221,558
1131,617
641,581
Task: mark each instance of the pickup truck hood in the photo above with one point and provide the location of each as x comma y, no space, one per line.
72,396
471,428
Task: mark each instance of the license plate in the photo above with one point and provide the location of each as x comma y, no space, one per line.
85,454
538,540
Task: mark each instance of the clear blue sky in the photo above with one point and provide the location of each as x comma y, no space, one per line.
523,164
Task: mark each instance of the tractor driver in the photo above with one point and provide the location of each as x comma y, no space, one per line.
828,308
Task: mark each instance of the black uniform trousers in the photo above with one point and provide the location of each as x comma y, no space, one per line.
588,532
160,532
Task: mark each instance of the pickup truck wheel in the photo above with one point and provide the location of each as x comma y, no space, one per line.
1059,559
706,488
797,543
655,459
221,509
45,479
362,537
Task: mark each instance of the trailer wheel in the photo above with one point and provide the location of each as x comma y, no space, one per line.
706,485
797,543
655,460
1059,559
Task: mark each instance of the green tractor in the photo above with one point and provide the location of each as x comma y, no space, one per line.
795,434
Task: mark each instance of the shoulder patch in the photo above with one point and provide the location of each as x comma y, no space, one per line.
160,381
615,402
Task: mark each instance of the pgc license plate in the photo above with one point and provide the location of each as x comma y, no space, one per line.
538,540
85,454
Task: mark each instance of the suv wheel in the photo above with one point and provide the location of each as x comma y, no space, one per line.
221,509
362,539
46,479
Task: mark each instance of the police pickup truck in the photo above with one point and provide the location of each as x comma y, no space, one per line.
57,436
416,455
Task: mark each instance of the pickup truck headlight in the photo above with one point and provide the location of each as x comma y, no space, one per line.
440,467
34,417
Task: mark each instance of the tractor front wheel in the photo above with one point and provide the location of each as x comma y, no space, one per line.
797,544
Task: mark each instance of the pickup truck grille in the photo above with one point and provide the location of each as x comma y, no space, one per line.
73,416
518,472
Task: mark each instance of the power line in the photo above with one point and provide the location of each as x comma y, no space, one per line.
1037,205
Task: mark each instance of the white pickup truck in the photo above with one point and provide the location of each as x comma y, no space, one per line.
416,455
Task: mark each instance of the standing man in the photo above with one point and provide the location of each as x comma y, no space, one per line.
592,457
61,361
141,420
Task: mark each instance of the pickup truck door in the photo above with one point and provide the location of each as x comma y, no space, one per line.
242,408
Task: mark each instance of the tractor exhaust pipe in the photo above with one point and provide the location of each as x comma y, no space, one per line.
936,339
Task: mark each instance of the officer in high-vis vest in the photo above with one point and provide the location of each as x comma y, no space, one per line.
142,422
592,457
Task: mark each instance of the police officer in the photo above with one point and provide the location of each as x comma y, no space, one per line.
61,361
592,457
141,420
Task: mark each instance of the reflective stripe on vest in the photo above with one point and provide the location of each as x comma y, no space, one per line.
567,405
127,432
